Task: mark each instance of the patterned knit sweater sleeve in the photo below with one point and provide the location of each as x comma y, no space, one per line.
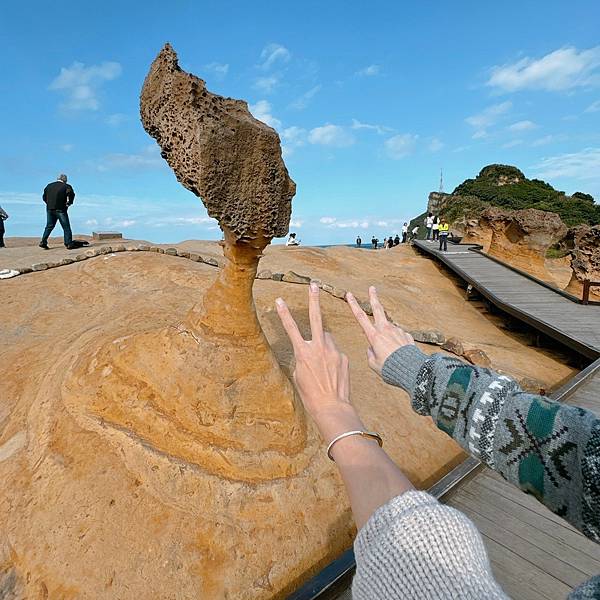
547,449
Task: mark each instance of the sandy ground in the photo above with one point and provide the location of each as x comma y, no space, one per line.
88,511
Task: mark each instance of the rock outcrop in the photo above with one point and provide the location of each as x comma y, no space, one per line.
218,151
522,237
583,242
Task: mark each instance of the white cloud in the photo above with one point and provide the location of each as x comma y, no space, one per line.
262,111
273,54
327,220
522,126
487,117
292,138
302,102
563,69
401,145
219,69
593,107
266,84
435,145
369,71
80,84
91,222
148,158
380,129
578,165
116,119
512,143
296,223
66,147
547,139
330,135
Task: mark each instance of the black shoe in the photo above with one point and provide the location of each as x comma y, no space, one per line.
44,246
71,247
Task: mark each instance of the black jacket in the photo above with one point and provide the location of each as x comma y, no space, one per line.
58,195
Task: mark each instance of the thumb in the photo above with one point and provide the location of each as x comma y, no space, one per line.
372,360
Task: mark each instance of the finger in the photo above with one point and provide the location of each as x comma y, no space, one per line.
371,359
329,341
289,324
314,314
360,315
378,312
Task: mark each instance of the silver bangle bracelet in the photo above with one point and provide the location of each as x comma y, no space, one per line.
367,434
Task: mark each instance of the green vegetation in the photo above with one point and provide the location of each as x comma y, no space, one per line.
507,187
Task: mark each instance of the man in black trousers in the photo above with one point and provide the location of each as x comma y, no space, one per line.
58,196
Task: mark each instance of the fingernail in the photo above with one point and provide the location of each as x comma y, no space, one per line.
314,287
280,302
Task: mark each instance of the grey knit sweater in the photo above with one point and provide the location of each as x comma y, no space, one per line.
415,547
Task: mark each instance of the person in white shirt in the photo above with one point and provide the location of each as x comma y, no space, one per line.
292,241
414,232
404,232
435,227
429,225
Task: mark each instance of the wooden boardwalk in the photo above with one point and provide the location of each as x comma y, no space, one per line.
535,555
575,325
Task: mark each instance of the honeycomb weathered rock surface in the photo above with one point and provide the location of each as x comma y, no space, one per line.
218,151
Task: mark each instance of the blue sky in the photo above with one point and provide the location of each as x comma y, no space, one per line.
370,100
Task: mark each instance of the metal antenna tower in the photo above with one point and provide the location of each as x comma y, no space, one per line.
441,181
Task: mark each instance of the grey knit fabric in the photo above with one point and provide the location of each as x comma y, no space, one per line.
415,547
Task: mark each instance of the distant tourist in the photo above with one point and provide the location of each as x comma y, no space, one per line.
374,243
444,229
358,241
390,242
429,226
58,196
3,217
396,240
414,232
292,241
410,545
435,228
404,232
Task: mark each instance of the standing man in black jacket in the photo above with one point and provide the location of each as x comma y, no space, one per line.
58,196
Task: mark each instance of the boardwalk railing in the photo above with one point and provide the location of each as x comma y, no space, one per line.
587,284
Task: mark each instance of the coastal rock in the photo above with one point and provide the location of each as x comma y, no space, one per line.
292,277
277,277
583,243
533,386
39,267
218,151
105,250
195,257
264,274
431,336
211,261
454,345
8,273
339,293
521,238
67,261
478,357
327,288
119,248
171,251
183,253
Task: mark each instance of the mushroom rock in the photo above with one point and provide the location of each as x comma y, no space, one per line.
209,389
522,237
583,242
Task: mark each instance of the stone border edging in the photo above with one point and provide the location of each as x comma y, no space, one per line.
432,337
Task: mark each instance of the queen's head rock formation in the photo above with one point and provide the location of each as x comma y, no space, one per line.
208,389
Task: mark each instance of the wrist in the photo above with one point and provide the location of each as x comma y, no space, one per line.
336,419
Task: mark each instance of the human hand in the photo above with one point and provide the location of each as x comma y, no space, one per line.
321,375
384,337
